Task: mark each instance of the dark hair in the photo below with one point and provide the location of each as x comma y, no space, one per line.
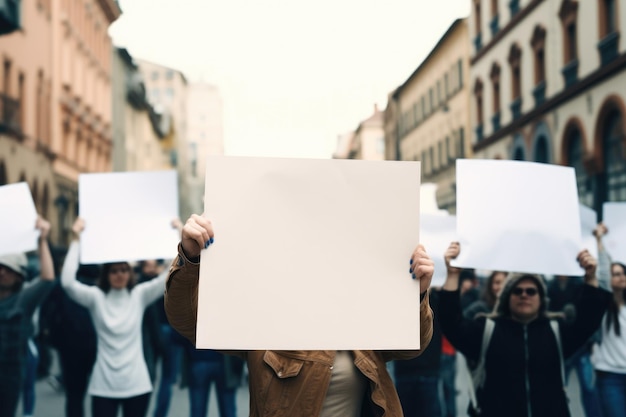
488,296
105,284
612,316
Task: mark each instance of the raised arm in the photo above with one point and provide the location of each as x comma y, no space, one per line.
464,334
181,291
79,292
33,295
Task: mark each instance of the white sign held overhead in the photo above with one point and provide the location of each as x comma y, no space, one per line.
614,217
319,247
18,217
437,232
588,223
509,217
128,216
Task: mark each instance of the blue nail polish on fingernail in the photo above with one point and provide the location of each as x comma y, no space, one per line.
411,261
211,241
410,271
206,244
413,276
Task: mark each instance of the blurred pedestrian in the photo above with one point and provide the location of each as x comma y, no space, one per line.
523,362
120,377
17,306
72,334
488,297
206,368
300,383
153,346
609,356
417,380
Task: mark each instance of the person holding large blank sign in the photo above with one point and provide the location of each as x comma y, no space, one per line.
300,382
17,305
523,356
120,377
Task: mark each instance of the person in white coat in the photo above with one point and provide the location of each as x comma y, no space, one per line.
120,375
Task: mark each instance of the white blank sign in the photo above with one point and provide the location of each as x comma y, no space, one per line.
18,217
614,217
128,216
518,217
309,254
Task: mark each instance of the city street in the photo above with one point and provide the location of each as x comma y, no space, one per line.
50,402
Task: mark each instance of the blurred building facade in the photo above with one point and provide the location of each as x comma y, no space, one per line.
56,102
205,136
138,130
548,81
427,117
167,91
367,142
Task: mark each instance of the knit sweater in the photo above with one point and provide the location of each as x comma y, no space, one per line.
120,370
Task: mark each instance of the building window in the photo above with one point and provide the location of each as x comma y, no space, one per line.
431,157
477,17
568,15
515,58
3,174
443,159
541,150
538,42
460,66
21,97
478,93
614,157
461,150
448,150
608,17
446,87
495,80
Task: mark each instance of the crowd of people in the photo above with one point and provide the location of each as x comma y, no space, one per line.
123,331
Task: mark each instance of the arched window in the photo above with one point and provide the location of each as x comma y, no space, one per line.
568,14
609,32
518,155
614,157
494,24
515,60
538,42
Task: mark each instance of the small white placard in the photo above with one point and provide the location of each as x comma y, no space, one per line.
436,233
310,254
614,217
518,216
18,217
588,223
128,216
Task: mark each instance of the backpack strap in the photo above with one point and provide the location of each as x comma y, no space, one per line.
557,335
478,375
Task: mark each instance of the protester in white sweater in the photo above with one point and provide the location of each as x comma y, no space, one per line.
120,375
609,356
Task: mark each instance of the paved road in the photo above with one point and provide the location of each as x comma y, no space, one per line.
50,403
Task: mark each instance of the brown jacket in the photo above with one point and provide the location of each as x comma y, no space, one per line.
281,382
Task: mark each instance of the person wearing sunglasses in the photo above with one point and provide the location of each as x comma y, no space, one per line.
523,357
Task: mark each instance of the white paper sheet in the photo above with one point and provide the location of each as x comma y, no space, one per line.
518,217
588,223
436,233
310,254
128,216
614,217
18,217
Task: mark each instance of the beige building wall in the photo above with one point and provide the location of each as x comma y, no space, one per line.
429,113
572,66
59,67
205,135
167,91
367,142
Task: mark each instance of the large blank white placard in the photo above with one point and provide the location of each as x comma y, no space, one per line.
128,216
437,231
614,217
18,217
309,254
518,217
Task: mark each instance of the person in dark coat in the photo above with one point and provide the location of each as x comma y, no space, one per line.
524,360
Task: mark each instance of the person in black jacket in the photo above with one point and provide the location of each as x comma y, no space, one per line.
523,362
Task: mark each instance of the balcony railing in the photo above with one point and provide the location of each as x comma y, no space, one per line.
10,115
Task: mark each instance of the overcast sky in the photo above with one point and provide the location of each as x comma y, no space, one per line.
293,75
